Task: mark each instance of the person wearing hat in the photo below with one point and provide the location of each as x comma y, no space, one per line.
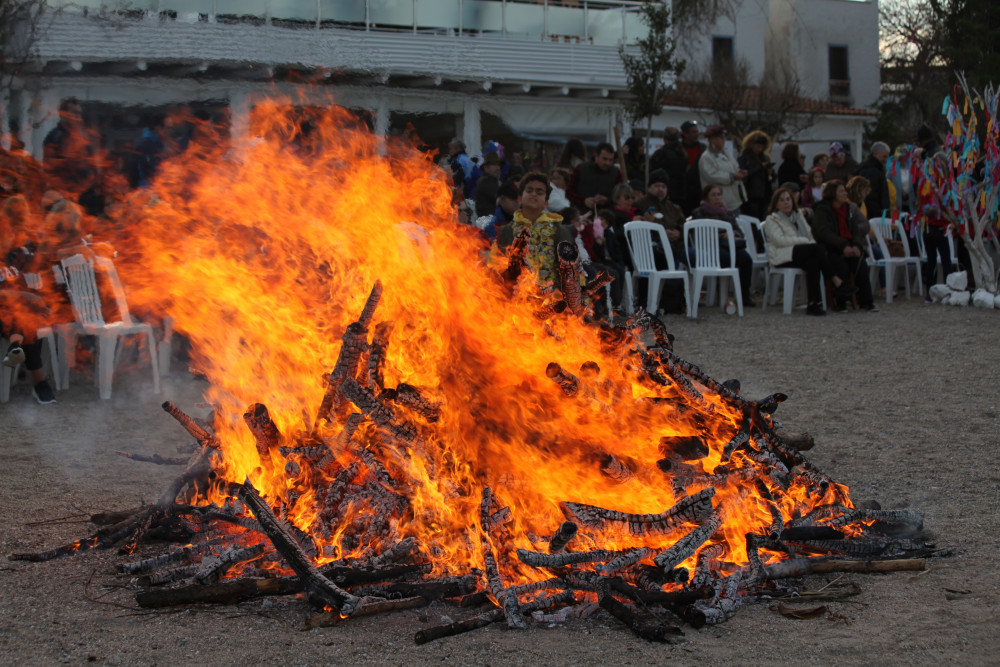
842,166
717,167
488,185
507,202
756,161
657,207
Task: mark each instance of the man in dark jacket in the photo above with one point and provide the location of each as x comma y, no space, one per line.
488,185
672,159
591,182
873,168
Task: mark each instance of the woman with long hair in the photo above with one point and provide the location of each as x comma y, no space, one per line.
756,161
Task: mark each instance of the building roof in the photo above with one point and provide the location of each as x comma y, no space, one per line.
698,96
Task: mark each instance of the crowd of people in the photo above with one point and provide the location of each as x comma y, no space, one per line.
814,217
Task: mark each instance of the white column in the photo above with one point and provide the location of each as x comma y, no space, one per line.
472,132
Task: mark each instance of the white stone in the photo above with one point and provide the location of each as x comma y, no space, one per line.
938,292
958,298
957,281
982,299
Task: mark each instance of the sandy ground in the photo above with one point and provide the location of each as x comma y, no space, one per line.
903,405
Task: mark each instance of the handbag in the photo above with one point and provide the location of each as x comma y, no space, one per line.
895,248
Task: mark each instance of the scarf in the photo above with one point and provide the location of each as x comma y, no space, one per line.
843,228
714,210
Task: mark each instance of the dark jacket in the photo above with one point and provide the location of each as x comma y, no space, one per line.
588,180
877,200
673,160
826,229
487,188
790,171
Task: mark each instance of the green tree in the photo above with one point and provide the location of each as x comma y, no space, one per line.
647,71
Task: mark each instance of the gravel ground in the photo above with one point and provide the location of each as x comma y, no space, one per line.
902,403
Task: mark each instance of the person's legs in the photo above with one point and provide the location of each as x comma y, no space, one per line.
810,257
933,238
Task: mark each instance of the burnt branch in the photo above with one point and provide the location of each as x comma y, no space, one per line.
559,540
569,276
264,430
376,354
642,623
685,547
692,509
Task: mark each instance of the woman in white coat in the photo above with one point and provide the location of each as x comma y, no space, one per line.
790,243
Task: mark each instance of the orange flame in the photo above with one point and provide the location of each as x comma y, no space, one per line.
263,249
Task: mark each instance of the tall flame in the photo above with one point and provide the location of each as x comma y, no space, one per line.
263,249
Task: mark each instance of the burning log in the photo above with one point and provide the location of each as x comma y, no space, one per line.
155,458
368,607
506,598
643,624
516,261
341,442
174,556
376,353
371,303
376,410
685,547
568,382
664,340
538,559
318,586
627,559
615,470
692,509
410,397
686,448
565,533
353,347
490,617
569,276
226,560
777,521
204,438
727,600
264,430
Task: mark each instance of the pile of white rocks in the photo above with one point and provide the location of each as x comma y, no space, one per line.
955,292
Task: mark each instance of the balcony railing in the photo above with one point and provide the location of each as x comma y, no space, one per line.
606,22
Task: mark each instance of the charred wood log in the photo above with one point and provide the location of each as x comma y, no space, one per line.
615,470
488,618
429,590
664,340
410,397
685,547
228,592
565,533
155,458
569,276
226,560
376,355
353,347
568,382
319,587
168,576
727,600
398,551
642,623
264,430
341,442
371,303
692,509
175,556
538,559
777,521
801,567
376,410
368,607
516,261
507,600
204,438
625,560
703,572
684,447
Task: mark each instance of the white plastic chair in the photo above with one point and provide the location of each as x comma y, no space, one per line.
640,237
761,265
702,236
81,285
883,230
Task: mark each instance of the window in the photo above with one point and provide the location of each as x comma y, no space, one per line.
722,52
840,76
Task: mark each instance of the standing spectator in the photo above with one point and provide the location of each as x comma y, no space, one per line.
508,201
841,166
935,226
877,202
634,154
756,162
488,185
927,141
717,167
461,165
821,160
148,152
839,227
591,182
574,154
673,160
791,169
692,176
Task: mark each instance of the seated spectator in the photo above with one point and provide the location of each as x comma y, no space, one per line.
558,180
714,208
611,250
657,207
719,168
791,169
812,192
790,243
673,160
820,160
623,208
583,234
858,189
22,309
546,230
839,227
841,166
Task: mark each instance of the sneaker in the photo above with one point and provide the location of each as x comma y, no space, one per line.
815,309
43,393
14,357
870,307
845,291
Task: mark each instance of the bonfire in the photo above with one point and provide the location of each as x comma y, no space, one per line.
401,414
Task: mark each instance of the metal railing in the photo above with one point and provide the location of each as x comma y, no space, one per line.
587,21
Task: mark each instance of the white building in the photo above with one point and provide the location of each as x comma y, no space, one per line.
478,69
